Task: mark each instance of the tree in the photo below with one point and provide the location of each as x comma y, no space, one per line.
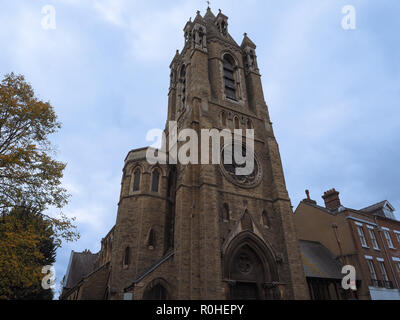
26,245
30,183
29,176
28,242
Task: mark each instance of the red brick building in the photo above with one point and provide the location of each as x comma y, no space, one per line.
367,239
389,234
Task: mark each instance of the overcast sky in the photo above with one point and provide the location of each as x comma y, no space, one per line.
333,94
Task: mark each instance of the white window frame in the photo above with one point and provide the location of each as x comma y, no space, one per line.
373,238
361,234
388,238
384,273
397,233
397,263
371,268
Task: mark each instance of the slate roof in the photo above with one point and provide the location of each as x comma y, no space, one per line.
80,265
375,206
319,262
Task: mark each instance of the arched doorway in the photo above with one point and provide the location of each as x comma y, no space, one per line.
250,269
156,290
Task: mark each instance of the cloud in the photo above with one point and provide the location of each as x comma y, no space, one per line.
332,94
111,11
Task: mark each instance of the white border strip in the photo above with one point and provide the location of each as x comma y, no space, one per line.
361,220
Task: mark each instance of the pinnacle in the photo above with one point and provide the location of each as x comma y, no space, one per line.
247,42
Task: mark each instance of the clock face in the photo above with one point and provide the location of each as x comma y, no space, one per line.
230,170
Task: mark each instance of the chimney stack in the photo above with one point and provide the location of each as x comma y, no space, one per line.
331,198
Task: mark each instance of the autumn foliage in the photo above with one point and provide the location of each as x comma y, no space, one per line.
28,175
30,183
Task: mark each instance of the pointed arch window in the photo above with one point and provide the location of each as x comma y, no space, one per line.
151,241
158,292
155,181
223,119
249,124
127,257
183,85
236,123
136,180
229,77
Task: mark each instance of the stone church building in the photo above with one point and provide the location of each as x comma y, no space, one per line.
194,232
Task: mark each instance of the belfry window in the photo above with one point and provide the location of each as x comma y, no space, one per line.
229,77
155,181
183,84
136,180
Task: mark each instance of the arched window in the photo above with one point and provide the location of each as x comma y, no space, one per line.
223,119
183,85
229,77
158,292
136,180
127,257
225,212
249,124
151,242
170,218
236,123
155,181
265,219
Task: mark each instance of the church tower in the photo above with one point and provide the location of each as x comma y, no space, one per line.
200,231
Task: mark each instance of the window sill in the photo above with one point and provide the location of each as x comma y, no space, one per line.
231,99
366,247
377,249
